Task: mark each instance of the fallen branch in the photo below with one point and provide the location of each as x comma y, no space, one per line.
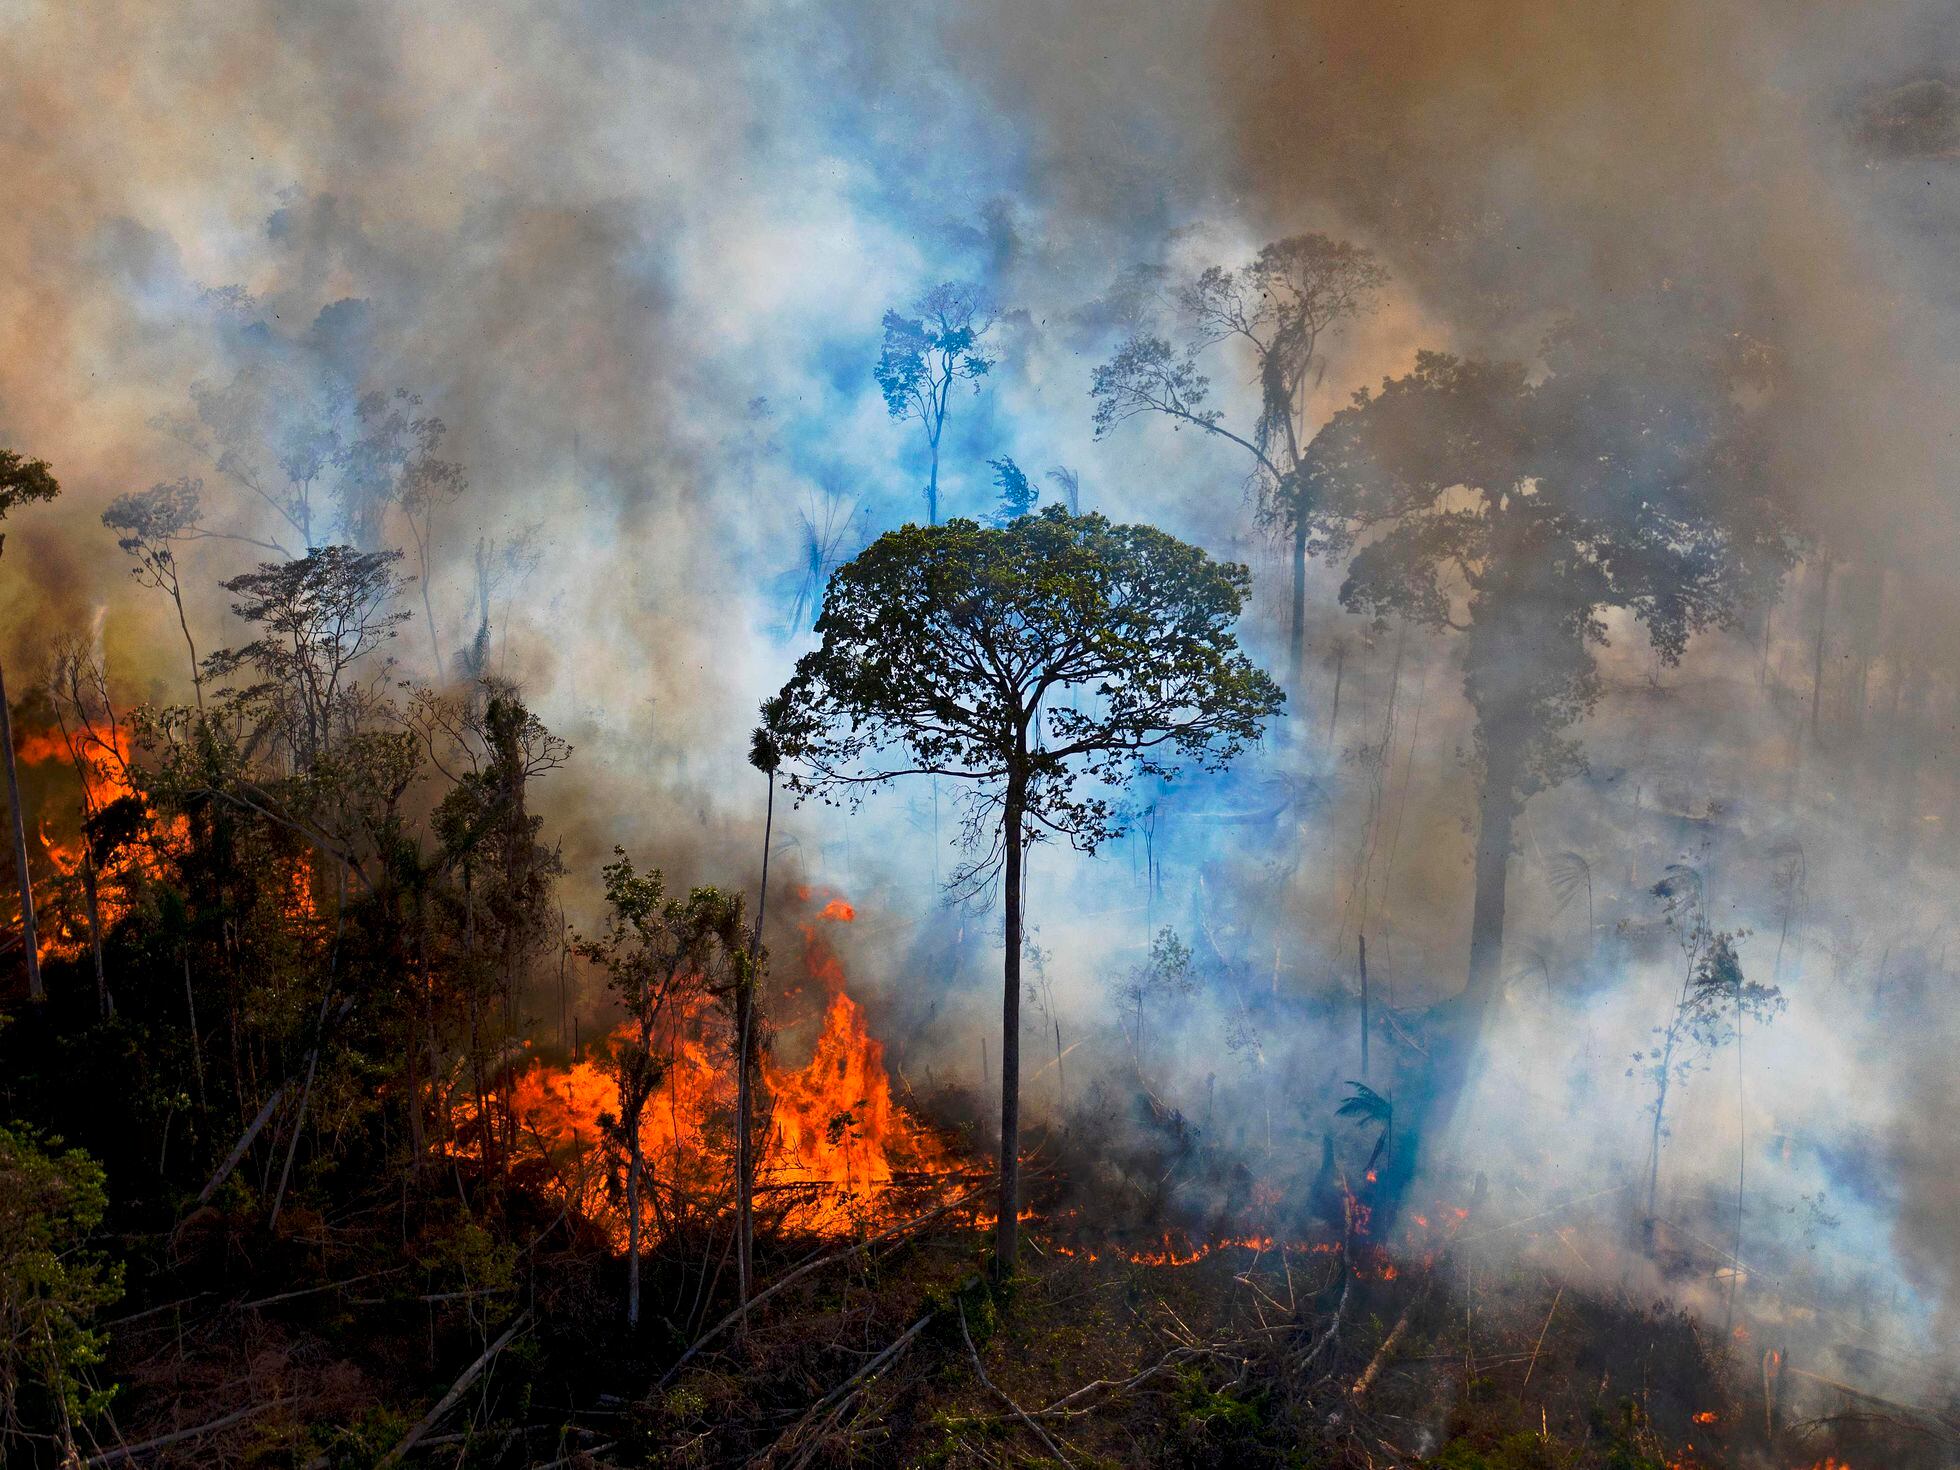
162,1441
456,1391
826,1411
1537,1346
891,1233
1064,1407
238,1149
1394,1340
1019,1412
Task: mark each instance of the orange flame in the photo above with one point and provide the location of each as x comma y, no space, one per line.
836,1139
104,772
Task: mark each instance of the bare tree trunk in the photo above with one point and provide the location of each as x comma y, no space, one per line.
1340,667
932,484
1006,1229
745,1074
1654,1143
1741,1164
197,673
1298,650
633,1169
1817,653
424,536
30,944
1498,809
1361,944
105,1007
197,1043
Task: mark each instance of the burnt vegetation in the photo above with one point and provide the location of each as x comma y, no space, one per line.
329,1140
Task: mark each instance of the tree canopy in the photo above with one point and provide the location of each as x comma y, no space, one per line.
943,647
1521,513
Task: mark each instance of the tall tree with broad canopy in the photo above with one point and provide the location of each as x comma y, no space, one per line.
1280,307
1045,663
941,343
1522,515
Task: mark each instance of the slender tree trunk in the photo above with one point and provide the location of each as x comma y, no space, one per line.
197,674
1817,652
105,1007
633,1168
424,545
1361,944
1006,1229
1340,667
745,1075
30,944
1298,650
197,1044
1660,1131
932,484
1741,1164
1498,809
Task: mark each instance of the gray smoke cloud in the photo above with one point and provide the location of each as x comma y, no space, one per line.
635,258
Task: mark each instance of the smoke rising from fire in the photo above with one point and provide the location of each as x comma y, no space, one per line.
634,257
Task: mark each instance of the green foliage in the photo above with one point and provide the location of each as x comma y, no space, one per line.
1214,1426
361,1444
946,648
656,952
24,481
1520,1451
51,1285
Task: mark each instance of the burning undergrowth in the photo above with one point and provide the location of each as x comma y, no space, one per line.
838,1151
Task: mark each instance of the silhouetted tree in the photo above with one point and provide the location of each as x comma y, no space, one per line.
151,524
1070,484
947,652
1714,1002
1280,306
1519,515
941,343
1017,496
318,617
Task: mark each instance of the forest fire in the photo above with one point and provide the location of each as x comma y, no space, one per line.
833,741
101,763
835,1140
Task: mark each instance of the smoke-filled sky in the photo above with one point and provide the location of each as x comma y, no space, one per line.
634,256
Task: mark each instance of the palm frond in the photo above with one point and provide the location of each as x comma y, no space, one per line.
1366,1106
1569,875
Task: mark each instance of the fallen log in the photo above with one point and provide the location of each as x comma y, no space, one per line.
164,1441
456,1391
238,1149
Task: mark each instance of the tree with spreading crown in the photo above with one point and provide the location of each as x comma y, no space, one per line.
1043,663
